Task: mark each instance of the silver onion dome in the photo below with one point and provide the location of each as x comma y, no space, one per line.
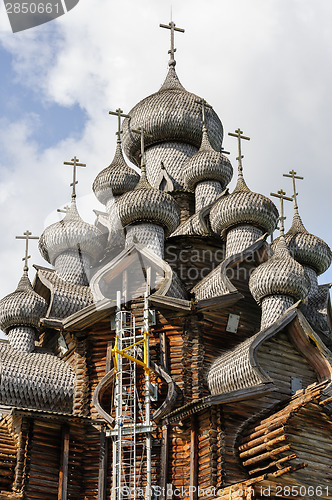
243,207
71,233
115,179
171,114
24,307
280,275
306,248
207,164
148,204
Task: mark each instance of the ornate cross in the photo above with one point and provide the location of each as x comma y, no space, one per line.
238,133
27,236
282,196
171,26
292,175
143,133
204,105
119,113
74,163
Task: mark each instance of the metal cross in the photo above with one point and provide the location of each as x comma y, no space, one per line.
238,133
74,163
143,133
281,195
119,113
27,236
171,26
204,105
292,175
63,210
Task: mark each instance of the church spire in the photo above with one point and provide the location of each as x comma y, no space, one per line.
241,183
293,176
27,236
282,196
143,181
171,26
297,224
74,163
120,114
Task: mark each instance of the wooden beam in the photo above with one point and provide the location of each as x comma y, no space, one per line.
222,301
164,462
163,351
108,364
193,458
102,478
171,303
63,474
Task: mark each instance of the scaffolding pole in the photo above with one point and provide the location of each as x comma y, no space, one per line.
147,397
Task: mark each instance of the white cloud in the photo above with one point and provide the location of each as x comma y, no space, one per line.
263,65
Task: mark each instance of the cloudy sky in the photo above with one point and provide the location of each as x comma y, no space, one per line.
264,65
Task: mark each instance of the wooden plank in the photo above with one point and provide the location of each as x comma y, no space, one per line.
193,458
170,303
164,454
108,364
63,474
103,454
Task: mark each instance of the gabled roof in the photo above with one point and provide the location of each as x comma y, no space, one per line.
64,298
135,261
217,283
240,369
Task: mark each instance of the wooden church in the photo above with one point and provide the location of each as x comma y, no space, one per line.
169,351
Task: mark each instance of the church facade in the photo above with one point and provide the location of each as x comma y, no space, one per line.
169,350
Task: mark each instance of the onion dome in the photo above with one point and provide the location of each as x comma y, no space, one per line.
207,164
146,203
243,207
71,233
280,275
171,114
24,307
306,248
116,179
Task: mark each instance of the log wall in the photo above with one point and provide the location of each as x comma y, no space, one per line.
282,361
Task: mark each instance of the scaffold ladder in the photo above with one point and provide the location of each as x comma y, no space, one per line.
132,418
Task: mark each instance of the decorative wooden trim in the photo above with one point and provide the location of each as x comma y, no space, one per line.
221,301
170,302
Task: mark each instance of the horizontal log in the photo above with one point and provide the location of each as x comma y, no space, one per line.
267,455
275,463
263,446
263,439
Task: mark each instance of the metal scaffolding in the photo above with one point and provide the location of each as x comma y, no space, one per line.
132,409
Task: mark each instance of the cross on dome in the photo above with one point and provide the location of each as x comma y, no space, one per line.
74,163
282,196
27,236
171,26
292,175
63,210
143,133
120,114
204,105
238,133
